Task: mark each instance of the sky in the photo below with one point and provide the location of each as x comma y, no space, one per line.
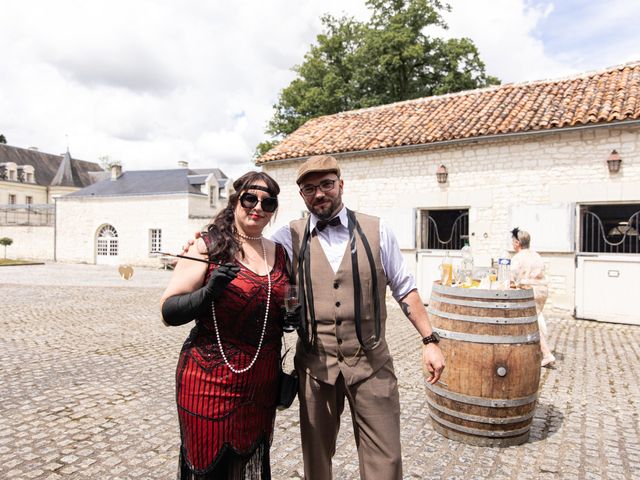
153,82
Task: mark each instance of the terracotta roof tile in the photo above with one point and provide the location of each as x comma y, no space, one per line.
597,97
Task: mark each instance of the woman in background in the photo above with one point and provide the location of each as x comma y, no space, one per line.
527,268
227,374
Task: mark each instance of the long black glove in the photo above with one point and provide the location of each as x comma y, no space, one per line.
292,319
182,308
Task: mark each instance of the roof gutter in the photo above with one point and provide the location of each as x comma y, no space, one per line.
459,141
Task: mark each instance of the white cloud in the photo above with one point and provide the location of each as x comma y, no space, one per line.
152,82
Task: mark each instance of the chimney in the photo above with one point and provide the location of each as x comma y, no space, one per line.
116,171
183,164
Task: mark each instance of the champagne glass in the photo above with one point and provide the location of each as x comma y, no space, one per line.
291,302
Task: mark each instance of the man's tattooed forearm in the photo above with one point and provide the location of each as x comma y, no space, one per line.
405,308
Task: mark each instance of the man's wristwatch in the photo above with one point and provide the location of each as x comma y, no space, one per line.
433,338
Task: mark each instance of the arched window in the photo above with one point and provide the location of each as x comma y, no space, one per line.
107,243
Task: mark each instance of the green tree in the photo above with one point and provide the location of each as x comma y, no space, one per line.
387,59
5,242
106,162
3,139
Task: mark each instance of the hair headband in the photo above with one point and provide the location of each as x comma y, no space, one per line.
260,187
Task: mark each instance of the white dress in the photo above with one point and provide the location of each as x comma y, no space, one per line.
527,268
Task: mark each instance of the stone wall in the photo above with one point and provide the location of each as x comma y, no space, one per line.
490,177
80,218
29,242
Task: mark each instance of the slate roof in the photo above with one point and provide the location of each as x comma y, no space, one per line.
593,98
49,169
150,182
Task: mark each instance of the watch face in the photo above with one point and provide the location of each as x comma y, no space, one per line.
433,338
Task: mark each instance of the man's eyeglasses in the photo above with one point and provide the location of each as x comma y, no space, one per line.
249,200
324,186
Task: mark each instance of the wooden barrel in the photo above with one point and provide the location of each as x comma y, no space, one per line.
488,391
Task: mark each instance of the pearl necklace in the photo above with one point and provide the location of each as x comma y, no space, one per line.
247,237
264,325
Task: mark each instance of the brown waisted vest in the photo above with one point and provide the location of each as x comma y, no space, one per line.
337,349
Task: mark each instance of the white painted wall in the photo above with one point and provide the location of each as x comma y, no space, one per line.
79,219
491,178
29,243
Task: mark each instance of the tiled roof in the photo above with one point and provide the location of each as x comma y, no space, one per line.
47,167
592,98
150,182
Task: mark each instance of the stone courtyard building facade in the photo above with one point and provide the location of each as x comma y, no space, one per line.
127,218
560,159
30,181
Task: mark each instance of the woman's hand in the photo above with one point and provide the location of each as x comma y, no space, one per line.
220,278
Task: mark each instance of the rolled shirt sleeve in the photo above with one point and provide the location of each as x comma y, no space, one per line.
399,279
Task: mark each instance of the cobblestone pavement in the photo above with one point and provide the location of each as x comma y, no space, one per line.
87,391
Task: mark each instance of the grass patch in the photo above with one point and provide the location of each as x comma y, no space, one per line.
6,262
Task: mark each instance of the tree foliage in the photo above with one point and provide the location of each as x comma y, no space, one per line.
106,162
3,139
5,242
392,57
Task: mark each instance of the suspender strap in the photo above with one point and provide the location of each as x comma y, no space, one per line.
357,287
355,272
307,332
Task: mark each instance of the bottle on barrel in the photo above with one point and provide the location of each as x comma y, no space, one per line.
504,271
446,270
466,266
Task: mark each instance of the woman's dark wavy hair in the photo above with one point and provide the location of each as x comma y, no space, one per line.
222,230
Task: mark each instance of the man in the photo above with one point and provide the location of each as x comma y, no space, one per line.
343,262
527,268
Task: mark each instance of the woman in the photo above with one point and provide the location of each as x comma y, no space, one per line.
226,379
527,268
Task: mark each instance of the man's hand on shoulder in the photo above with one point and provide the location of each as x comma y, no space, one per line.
202,248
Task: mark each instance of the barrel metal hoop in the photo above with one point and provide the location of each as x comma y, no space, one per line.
510,294
471,303
483,402
479,431
474,319
502,339
478,418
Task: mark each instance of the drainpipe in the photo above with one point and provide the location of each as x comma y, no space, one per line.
55,227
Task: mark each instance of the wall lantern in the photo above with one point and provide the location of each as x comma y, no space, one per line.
613,162
442,174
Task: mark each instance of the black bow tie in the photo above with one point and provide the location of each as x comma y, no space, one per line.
322,224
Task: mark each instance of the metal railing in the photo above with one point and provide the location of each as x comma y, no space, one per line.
27,214
457,237
619,238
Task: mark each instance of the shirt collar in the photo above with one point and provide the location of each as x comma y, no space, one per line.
342,214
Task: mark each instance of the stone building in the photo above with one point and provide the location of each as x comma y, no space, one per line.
558,158
29,182
131,215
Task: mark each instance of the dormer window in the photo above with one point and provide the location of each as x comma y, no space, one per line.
8,171
25,173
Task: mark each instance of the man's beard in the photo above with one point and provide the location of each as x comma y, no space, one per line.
326,212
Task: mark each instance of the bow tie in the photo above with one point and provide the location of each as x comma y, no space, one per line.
322,224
